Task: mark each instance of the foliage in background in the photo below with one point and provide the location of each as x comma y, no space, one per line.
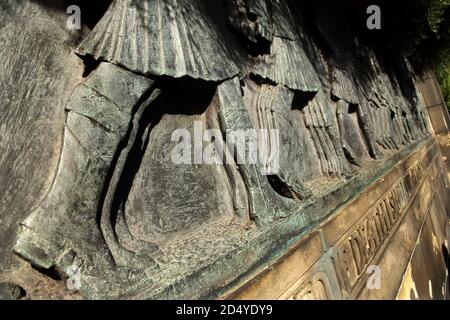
419,29
438,17
428,38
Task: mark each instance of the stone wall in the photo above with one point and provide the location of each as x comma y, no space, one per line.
396,229
92,204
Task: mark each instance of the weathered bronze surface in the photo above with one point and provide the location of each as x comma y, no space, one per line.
93,206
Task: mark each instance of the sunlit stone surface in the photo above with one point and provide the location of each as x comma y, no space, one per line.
93,206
